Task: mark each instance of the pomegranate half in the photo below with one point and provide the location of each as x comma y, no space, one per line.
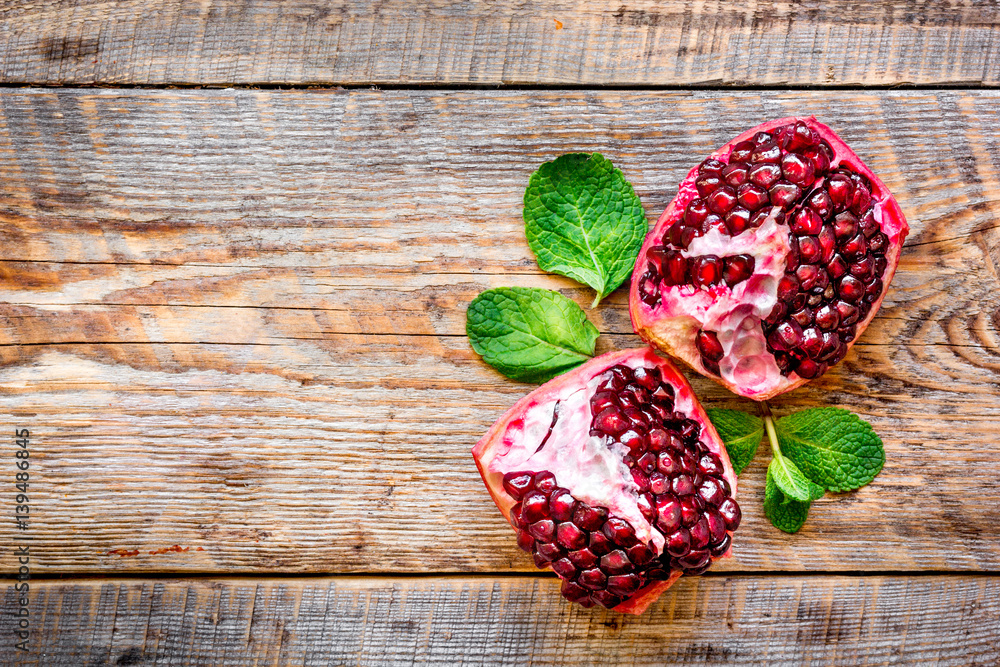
770,262
613,476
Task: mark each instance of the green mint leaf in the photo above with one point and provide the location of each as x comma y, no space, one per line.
583,220
832,446
785,513
529,334
741,433
791,481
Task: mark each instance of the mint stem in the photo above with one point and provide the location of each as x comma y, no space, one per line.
772,435
597,300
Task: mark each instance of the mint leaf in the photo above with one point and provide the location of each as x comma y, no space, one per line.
791,481
741,433
583,220
785,513
832,446
529,334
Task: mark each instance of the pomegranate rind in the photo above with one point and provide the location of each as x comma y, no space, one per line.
675,335
492,446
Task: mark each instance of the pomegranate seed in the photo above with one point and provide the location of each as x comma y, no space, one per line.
583,558
708,184
525,541
737,221
668,514
862,199
797,169
711,166
764,175
821,203
730,512
788,287
599,544
675,269
534,507
812,342
722,200
722,547
545,482
769,153
647,377
869,226
705,271
619,531
737,268
735,174
516,484
709,346
589,518
716,525
810,369
855,247
548,551
700,534
679,542
806,221
564,568
784,194
568,535
810,250
543,531
741,151
561,505
803,316
827,243
623,584
712,491
695,213
593,579
762,138
851,289
695,560
647,462
827,318
640,554
752,196
575,593
848,313
836,267
878,243
691,509
611,421
787,335
710,464
841,190
615,562
682,485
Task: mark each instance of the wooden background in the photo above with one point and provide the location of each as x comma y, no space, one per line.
233,280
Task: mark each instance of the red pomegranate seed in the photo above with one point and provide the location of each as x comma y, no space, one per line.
735,174
706,271
737,221
709,345
797,169
722,200
806,221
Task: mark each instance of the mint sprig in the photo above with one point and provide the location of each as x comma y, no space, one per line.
813,451
786,514
529,334
583,220
834,447
740,432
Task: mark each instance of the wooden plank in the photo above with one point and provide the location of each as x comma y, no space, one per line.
645,42
785,620
233,321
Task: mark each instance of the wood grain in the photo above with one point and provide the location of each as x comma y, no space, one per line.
234,321
587,42
940,620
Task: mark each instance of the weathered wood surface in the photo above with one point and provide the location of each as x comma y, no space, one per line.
234,321
588,42
785,620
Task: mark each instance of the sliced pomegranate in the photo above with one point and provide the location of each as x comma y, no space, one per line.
613,476
771,261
